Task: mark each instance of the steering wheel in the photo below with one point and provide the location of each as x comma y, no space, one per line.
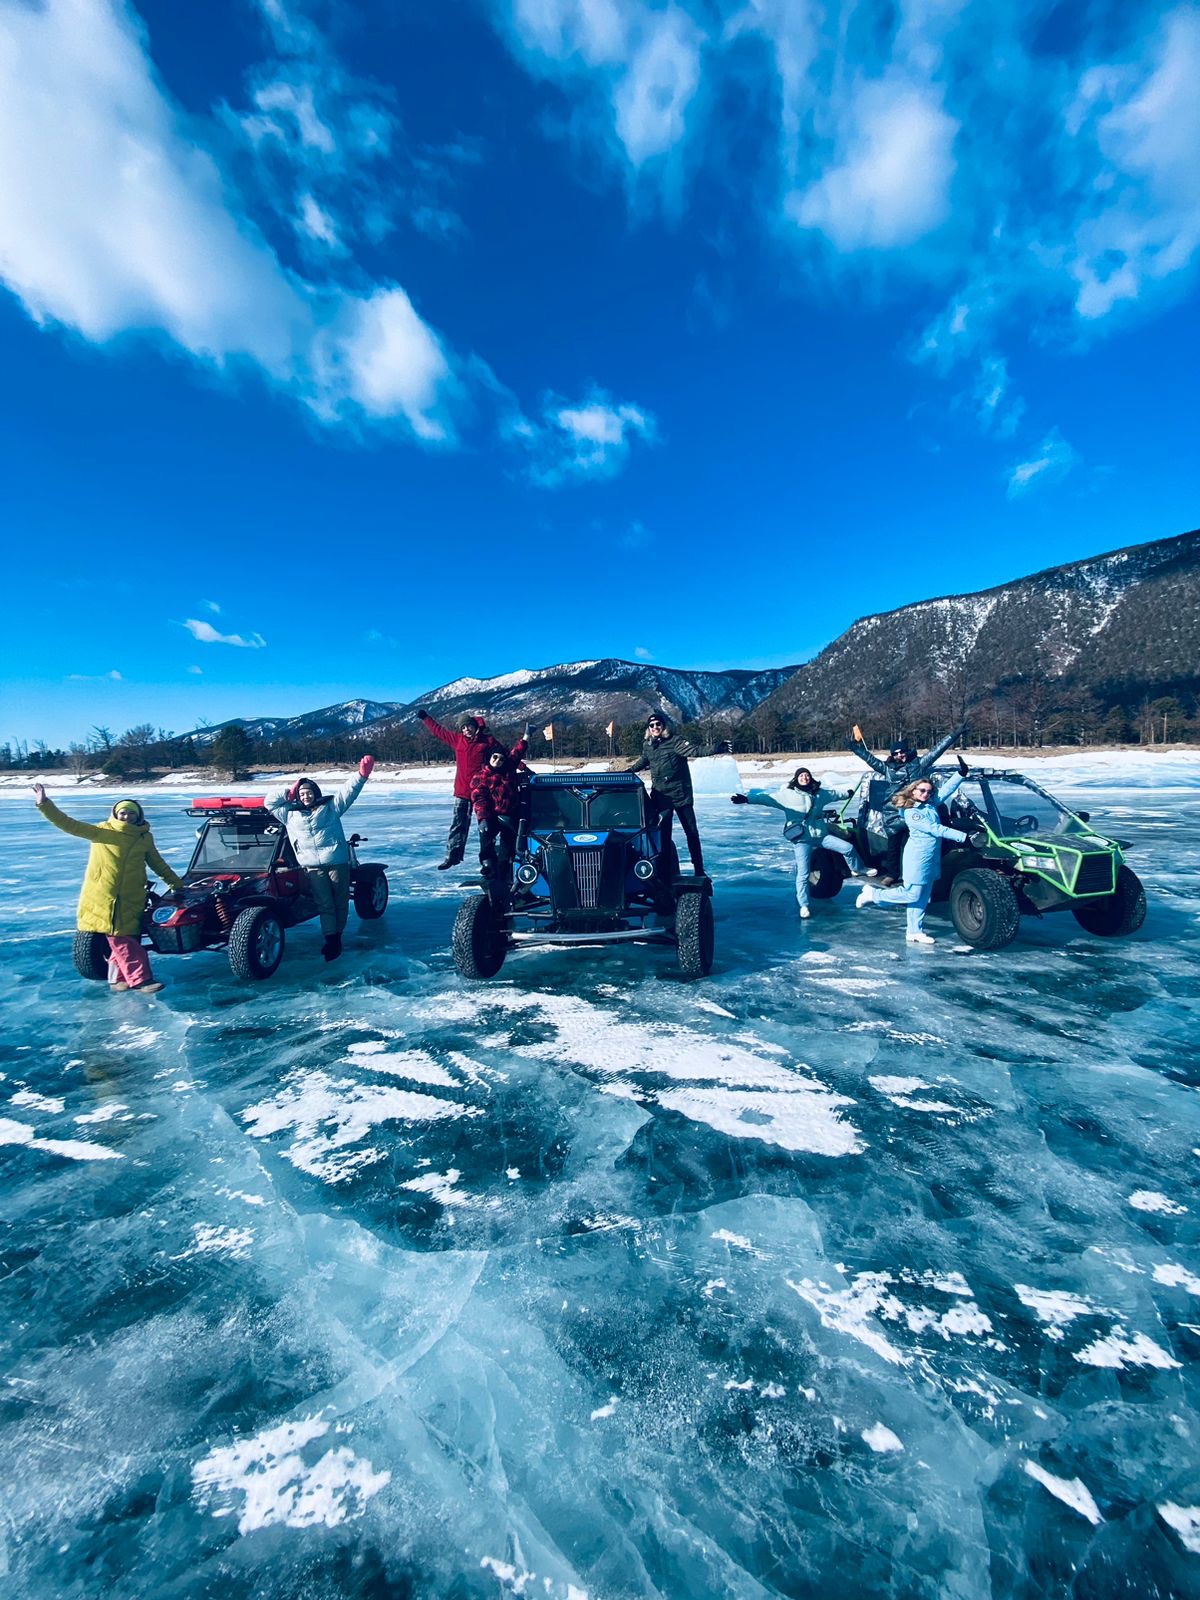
1025,824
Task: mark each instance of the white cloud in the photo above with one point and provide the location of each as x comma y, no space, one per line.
1055,459
197,672
211,605
207,634
589,440
113,221
891,185
643,654
645,63
103,677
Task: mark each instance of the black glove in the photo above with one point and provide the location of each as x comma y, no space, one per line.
422,711
740,799
978,839
723,747
962,766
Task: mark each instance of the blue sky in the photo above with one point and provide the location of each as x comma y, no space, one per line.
349,349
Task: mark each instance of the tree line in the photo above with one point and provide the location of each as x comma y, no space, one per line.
1029,714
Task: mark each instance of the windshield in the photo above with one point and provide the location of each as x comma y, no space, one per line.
1025,810
552,808
616,808
234,849
967,805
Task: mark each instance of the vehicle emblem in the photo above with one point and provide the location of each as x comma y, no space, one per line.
584,838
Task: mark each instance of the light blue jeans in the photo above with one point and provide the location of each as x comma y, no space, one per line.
804,851
913,895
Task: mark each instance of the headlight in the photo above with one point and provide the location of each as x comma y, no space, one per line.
643,869
1039,863
527,873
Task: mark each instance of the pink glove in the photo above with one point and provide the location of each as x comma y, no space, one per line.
293,793
366,766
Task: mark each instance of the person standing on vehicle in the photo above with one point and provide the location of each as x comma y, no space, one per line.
666,756
314,825
496,800
472,745
113,898
922,864
902,766
803,803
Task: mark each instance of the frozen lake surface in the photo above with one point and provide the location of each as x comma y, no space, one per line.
855,1268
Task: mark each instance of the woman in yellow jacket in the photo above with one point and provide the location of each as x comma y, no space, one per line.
113,897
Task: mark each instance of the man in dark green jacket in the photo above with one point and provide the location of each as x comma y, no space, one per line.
666,757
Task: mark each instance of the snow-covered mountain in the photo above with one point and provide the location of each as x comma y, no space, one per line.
572,692
1123,625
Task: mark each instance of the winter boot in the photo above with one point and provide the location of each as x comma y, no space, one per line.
450,861
332,948
867,896
149,988
920,938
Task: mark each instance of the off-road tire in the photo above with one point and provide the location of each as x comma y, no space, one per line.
984,909
694,934
479,946
1119,913
826,874
90,954
371,895
255,942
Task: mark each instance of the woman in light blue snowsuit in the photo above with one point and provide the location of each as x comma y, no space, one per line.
803,803
922,860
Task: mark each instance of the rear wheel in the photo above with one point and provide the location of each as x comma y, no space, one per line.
826,874
984,909
370,894
694,933
478,941
90,953
255,942
1117,914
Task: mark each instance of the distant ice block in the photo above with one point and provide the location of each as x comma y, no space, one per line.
715,775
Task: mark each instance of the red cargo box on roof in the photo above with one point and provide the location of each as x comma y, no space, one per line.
239,802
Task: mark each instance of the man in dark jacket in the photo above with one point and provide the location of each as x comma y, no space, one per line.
902,766
471,744
666,756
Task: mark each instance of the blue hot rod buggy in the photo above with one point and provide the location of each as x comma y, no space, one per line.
590,869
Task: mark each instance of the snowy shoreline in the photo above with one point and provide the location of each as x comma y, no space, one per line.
1178,767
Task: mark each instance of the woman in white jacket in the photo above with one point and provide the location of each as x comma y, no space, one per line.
314,824
803,803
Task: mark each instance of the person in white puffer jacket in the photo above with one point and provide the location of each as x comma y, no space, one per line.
314,825
803,803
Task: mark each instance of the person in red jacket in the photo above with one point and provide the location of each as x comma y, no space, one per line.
471,745
496,798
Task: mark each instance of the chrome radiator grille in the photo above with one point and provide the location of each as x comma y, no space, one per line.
587,877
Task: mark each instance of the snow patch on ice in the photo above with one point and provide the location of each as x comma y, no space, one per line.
1184,1521
1151,1200
848,1310
210,1239
736,1240
1177,1277
1072,1492
881,1439
38,1102
12,1132
1054,1307
606,1410
280,1487
114,1108
1119,1350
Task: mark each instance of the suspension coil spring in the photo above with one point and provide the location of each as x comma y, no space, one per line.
224,915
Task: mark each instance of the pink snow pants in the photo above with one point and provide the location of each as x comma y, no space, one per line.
130,960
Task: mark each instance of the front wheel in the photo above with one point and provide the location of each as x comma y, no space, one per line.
370,895
255,942
826,874
1119,913
694,932
984,909
478,940
90,954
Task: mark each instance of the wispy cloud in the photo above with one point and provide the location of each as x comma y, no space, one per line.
207,634
99,677
197,672
592,439
642,653
1051,465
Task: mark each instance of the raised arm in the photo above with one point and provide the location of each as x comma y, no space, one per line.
78,830
857,745
280,802
436,729
951,786
350,791
931,759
